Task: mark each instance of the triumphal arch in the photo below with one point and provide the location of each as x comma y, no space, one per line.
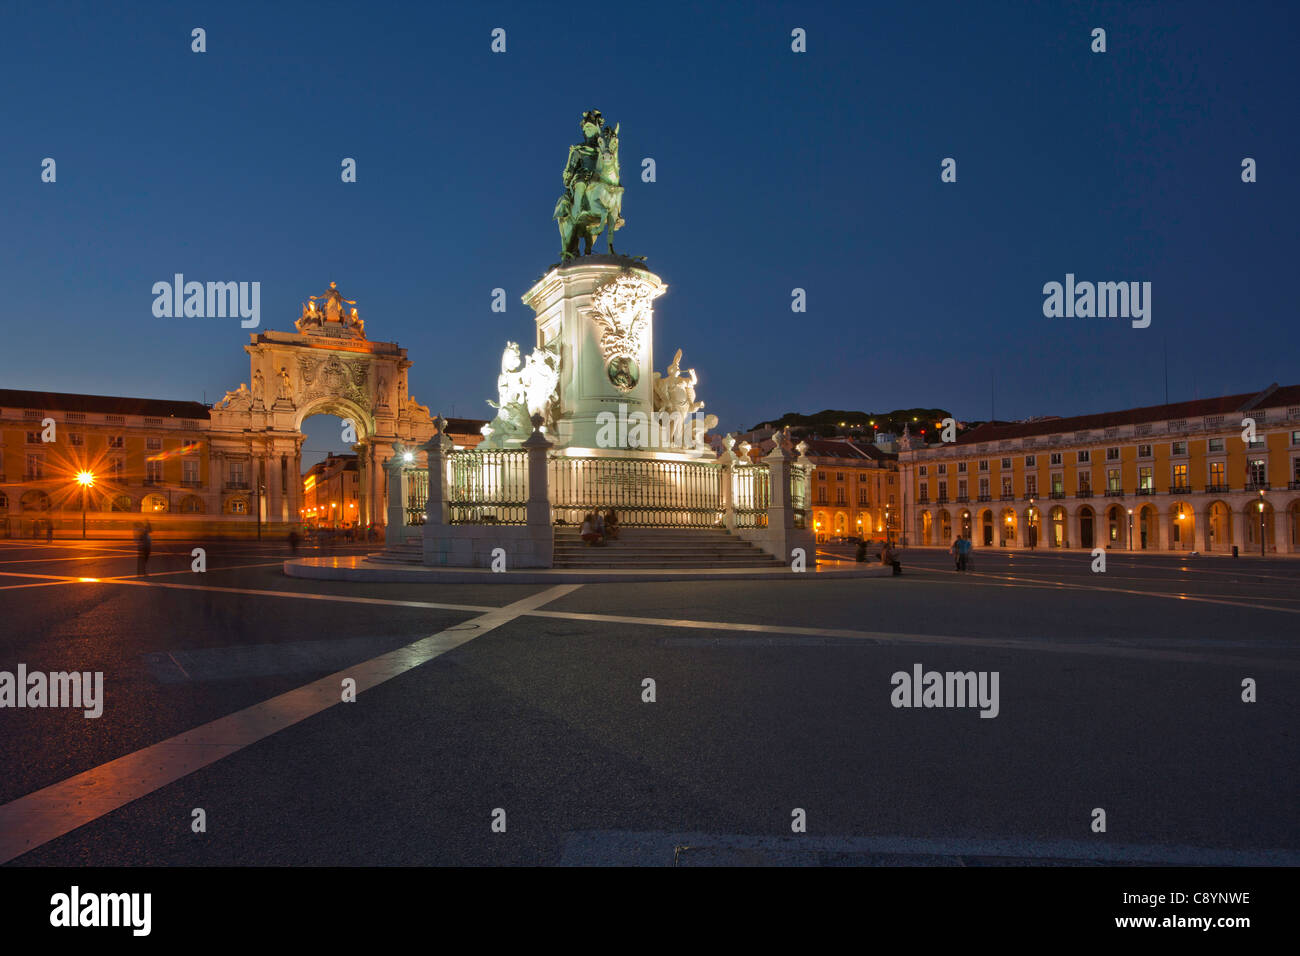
327,366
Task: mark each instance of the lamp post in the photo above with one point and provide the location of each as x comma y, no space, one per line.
87,480
1130,529
1261,522
1032,531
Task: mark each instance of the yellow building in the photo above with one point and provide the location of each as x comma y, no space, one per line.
331,492
855,490
1204,475
123,458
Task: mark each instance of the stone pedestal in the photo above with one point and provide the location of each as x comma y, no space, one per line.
597,319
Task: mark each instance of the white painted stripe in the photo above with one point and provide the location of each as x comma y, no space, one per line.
1045,646
47,814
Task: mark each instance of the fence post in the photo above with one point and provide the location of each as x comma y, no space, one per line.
436,448
394,532
780,514
540,531
727,471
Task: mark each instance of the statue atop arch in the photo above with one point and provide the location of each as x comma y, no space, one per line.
326,313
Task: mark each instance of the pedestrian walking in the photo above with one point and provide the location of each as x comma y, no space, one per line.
142,547
293,540
965,547
955,551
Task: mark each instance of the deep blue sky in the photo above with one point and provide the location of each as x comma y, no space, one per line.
775,170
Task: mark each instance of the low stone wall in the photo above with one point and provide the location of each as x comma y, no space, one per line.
471,545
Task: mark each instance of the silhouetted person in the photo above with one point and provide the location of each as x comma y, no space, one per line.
142,548
890,557
293,540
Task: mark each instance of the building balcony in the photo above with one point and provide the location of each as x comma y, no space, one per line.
191,483
242,486
152,482
1114,492
963,499
1007,498
1145,491
1216,489
941,500
1290,485
1257,486
923,500
33,476
1083,493
1029,496
983,498
1179,490
1056,495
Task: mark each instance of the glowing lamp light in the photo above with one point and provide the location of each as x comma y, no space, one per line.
86,479
408,456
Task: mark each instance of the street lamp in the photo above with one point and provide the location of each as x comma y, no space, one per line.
87,481
1130,529
1261,522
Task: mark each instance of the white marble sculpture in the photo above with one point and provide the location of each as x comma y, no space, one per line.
524,388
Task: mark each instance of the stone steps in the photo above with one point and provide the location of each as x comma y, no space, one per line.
665,548
635,548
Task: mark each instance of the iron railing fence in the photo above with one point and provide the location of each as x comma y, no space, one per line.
417,494
751,493
800,495
487,487
644,492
